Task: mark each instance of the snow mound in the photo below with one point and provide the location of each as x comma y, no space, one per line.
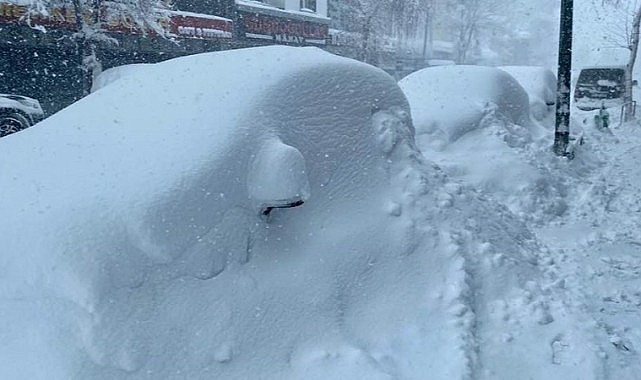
136,245
498,149
277,175
449,101
540,85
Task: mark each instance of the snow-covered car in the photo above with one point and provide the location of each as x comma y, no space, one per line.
474,122
450,101
248,214
18,112
540,85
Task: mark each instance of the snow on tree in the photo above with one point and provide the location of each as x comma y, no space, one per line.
467,19
89,19
487,31
523,33
380,23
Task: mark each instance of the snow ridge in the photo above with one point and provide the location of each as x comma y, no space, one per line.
473,255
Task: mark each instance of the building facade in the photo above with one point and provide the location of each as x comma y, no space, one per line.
45,57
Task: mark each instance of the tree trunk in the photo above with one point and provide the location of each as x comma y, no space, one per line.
634,48
367,34
81,45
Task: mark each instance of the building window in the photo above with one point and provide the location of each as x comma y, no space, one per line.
308,5
275,3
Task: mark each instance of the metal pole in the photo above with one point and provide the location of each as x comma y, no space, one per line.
562,127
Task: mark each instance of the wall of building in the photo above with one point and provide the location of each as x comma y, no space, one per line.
46,62
290,5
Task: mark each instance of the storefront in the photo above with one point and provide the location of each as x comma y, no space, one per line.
263,24
45,58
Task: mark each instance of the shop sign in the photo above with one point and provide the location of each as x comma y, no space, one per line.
283,30
181,24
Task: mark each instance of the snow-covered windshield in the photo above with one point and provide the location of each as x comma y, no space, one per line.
319,189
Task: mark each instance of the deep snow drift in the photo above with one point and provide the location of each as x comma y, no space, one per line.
587,212
449,101
134,244
475,123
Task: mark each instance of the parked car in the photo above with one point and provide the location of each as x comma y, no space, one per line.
448,102
202,158
598,86
18,112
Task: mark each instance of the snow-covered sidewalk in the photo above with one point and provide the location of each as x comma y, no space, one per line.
579,317
598,251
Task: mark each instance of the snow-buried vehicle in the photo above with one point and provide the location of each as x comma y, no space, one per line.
449,101
136,242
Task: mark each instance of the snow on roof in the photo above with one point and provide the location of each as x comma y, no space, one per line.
198,15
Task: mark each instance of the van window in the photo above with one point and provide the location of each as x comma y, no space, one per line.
602,83
597,87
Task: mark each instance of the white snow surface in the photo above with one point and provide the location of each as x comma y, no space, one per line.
277,175
112,74
27,105
584,212
134,245
450,101
133,248
540,85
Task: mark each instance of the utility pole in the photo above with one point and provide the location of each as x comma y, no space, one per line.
562,126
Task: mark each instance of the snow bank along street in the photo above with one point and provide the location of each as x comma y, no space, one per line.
584,213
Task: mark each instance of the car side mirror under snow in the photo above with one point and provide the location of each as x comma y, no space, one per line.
277,177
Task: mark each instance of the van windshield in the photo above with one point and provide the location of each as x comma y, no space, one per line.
601,77
599,87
